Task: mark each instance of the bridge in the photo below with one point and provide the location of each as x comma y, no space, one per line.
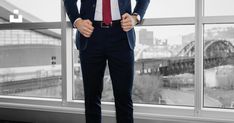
216,53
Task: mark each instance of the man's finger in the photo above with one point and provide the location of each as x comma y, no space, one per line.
126,28
90,27
89,22
85,35
87,32
127,24
124,16
125,21
86,29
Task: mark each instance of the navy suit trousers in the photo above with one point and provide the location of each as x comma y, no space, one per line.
108,46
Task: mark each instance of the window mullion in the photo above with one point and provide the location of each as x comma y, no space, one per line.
168,21
198,57
67,64
28,26
218,19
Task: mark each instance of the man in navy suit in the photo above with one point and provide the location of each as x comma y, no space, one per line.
106,36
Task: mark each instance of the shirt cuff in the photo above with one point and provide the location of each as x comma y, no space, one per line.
74,24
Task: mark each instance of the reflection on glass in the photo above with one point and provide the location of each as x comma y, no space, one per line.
219,66
30,63
169,8
30,10
164,67
218,7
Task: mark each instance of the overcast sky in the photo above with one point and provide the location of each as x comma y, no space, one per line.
49,10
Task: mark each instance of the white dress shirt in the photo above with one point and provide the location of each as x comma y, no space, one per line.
115,13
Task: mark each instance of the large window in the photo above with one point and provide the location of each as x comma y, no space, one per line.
161,76
30,64
164,67
218,54
183,59
219,65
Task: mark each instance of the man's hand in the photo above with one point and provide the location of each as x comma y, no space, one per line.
128,22
85,27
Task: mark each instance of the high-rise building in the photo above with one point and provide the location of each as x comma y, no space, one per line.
146,37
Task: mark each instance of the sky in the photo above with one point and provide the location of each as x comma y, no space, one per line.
49,10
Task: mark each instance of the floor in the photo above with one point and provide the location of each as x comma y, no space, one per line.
5,121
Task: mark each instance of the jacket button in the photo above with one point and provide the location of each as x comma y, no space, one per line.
94,6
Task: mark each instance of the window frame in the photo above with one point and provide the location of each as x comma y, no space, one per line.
146,111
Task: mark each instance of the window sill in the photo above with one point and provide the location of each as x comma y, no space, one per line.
76,107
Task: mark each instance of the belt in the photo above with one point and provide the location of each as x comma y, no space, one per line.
101,24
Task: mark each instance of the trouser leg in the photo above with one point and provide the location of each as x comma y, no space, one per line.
93,67
121,65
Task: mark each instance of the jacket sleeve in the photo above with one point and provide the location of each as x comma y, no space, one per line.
72,10
141,6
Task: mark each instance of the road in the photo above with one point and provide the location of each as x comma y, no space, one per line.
186,98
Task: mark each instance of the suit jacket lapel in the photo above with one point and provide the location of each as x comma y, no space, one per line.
120,6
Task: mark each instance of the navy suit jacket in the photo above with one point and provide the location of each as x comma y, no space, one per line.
87,11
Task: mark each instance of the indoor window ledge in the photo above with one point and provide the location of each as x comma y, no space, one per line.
108,110
181,119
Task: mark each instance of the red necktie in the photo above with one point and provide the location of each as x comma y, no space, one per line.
106,11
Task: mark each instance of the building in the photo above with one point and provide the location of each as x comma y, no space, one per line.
146,37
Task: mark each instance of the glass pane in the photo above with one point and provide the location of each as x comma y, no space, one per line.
219,7
30,63
164,67
169,8
30,11
219,65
